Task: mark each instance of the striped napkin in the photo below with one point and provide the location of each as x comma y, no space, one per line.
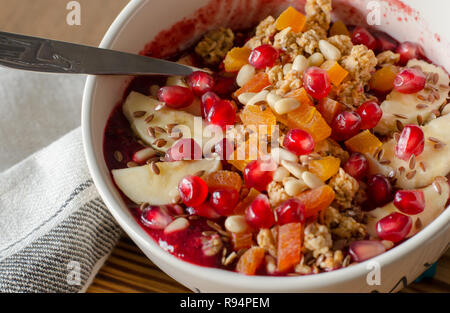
55,232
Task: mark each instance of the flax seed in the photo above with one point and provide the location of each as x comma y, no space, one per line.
151,132
420,97
412,162
138,114
418,224
160,130
132,164
422,166
419,119
401,169
430,98
143,206
400,115
155,169
438,146
411,174
149,118
421,106
399,125
160,143
118,156
170,127
437,187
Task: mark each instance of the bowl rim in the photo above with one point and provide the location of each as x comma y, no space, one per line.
143,240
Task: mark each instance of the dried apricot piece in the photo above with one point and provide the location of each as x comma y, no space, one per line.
383,79
259,115
241,241
316,199
236,58
244,203
289,246
329,109
250,261
364,142
336,72
222,180
325,168
255,84
339,28
291,18
247,151
307,117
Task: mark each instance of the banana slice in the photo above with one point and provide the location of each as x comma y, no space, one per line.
137,103
140,184
435,161
406,105
434,205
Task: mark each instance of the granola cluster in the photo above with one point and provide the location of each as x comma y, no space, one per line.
215,45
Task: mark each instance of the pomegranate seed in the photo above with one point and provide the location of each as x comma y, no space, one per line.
224,86
222,113
224,148
362,36
299,142
208,99
176,97
365,249
394,227
205,210
316,82
155,217
193,190
291,211
379,189
409,80
385,42
346,125
256,176
370,113
357,166
410,201
184,149
224,201
263,56
409,50
259,214
200,82
411,141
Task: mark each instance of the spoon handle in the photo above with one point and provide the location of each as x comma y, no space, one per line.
51,56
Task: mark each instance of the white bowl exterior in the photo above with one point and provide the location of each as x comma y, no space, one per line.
137,25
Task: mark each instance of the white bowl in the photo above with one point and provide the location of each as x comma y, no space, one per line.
142,20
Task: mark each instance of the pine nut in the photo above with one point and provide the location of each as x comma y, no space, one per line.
236,224
329,51
294,186
260,96
293,168
272,98
316,59
280,174
286,105
179,224
300,63
245,74
176,81
287,68
245,97
279,154
144,154
311,180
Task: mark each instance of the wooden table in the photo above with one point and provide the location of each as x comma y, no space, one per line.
127,269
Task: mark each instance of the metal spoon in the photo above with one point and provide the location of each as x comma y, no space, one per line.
44,55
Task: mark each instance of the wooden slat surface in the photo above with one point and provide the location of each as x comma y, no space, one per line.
127,269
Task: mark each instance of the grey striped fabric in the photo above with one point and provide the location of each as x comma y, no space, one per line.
64,258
